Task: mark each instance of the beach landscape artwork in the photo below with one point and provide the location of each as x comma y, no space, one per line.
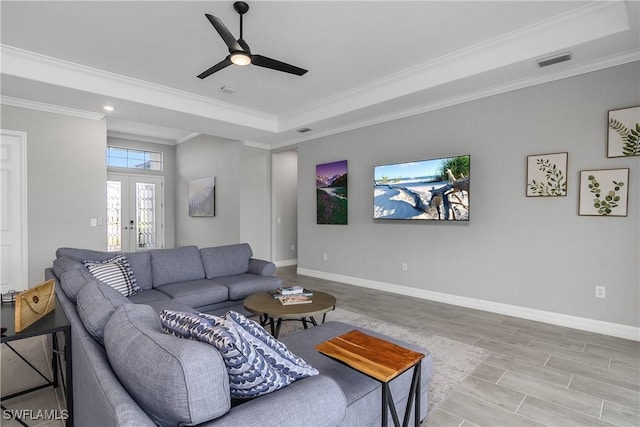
202,196
331,193
435,189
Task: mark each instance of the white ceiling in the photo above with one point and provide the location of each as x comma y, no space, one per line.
368,61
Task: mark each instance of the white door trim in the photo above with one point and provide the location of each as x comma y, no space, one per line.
24,220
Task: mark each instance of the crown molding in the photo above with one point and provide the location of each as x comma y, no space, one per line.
612,61
259,145
590,22
142,138
50,108
187,138
35,66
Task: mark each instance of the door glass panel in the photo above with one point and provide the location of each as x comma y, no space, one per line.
114,216
145,212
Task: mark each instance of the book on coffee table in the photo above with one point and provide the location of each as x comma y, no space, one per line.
277,295
291,290
294,299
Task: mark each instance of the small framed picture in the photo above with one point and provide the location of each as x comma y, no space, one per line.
547,175
604,192
623,139
202,197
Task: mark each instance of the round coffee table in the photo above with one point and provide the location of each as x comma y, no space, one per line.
269,309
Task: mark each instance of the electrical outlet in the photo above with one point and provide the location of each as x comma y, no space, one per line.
325,257
601,292
293,247
405,267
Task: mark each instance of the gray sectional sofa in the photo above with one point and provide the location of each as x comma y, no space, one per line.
128,372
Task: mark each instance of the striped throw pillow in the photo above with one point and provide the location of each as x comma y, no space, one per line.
115,272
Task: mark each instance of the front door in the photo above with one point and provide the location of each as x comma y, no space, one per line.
135,217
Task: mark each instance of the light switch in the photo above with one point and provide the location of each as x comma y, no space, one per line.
93,222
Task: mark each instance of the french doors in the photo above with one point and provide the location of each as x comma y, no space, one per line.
135,217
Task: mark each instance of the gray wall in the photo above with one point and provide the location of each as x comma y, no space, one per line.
168,172
66,175
527,252
200,157
242,194
255,204
285,207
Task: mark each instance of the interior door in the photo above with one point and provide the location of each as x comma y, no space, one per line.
135,212
13,211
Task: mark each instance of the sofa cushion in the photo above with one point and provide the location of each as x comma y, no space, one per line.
83,254
170,304
149,296
178,382
140,261
257,363
115,272
176,265
243,285
226,260
141,266
74,280
64,263
96,303
196,293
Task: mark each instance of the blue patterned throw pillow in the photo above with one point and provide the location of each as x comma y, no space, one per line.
256,362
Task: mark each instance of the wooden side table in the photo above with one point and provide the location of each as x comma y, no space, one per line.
382,361
50,324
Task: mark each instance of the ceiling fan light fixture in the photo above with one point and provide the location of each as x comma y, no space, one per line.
240,58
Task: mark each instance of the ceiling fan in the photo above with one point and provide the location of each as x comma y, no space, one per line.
239,52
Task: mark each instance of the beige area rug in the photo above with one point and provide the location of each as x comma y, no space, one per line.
453,361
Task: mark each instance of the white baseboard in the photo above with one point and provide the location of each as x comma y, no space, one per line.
582,323
286,262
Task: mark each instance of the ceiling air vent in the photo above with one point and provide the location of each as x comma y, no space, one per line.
550,60
303,130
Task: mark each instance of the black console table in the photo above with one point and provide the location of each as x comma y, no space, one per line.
51,324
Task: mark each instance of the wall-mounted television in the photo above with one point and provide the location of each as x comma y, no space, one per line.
434,189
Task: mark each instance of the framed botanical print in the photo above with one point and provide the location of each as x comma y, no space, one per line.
623,139
547,175
604,192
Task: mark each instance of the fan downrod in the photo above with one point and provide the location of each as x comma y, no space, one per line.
241,7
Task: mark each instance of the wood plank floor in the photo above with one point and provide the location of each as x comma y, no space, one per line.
536,375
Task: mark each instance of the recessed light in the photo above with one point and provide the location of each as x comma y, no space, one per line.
108,108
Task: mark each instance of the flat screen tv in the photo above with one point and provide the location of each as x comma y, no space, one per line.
434,189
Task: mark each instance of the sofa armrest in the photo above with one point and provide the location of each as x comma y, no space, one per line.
313,401
261,267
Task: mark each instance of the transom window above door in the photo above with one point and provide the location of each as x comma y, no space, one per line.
133,159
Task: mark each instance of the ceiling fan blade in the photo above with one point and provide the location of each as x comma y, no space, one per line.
219,66
224,32
263,61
